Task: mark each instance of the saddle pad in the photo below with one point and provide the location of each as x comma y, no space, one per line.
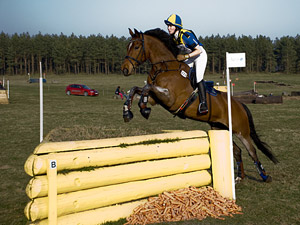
209,85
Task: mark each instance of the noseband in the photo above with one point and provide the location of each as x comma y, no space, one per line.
142,53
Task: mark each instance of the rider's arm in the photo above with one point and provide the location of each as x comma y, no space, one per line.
191,42
197,51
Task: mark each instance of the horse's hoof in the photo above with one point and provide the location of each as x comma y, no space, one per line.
127,116
268,180
145,112
238,180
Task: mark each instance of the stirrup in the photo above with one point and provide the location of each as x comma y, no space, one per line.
203,110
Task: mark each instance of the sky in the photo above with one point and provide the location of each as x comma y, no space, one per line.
271,18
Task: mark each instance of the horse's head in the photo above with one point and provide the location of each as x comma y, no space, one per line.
135,53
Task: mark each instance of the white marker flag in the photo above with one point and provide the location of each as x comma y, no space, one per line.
236,60
232,60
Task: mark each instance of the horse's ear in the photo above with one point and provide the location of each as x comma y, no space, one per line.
136,32
130,32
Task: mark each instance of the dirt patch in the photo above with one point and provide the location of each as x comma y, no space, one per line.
272,82
5,167
291,97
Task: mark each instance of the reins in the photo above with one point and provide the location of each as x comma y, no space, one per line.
158,71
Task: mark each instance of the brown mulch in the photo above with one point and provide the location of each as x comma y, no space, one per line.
184,204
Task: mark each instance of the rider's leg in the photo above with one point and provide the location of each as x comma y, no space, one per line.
202,108
200,63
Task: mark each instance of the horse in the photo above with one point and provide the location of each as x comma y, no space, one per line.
168,85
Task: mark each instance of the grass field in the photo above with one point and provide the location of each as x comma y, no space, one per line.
78,117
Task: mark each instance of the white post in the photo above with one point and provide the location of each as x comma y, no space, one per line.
3,81
8,89
230,127
232,60
41,104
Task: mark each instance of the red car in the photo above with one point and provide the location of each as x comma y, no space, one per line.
80,89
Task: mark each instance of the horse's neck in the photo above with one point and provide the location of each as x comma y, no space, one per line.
161,57
158,52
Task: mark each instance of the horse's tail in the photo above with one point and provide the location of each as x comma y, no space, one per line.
264,147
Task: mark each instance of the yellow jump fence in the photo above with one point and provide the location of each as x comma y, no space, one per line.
3,97
95,181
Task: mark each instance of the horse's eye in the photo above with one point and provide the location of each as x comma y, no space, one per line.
136,47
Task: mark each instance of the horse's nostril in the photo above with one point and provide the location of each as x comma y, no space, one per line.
125,72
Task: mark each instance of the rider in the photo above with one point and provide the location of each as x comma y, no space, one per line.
118,92
191,51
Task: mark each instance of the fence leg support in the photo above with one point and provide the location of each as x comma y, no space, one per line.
221,163
52,191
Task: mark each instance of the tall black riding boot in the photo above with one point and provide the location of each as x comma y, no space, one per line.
202,109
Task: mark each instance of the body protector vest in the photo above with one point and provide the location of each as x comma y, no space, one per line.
186,41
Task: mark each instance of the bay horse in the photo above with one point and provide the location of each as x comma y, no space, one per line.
168,85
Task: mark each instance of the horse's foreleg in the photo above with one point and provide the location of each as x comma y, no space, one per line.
144,110
127,114
163,94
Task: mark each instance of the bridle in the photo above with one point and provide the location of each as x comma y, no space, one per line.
142,53
154,65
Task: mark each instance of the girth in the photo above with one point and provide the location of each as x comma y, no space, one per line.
180,111
209,89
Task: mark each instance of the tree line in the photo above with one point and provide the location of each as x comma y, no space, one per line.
262,53
61,54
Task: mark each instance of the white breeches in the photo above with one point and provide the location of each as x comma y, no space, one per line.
200,62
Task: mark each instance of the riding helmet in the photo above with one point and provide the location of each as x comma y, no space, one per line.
174,20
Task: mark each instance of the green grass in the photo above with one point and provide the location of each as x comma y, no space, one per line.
77,118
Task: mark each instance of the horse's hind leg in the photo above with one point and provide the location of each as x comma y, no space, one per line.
252,152
237,152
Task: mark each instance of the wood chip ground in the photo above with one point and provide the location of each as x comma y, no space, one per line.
184,204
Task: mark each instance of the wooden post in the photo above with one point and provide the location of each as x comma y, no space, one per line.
221,163
52,191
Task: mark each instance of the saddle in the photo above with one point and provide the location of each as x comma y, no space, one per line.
209,86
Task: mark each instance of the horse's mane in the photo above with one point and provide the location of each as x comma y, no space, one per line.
165,38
